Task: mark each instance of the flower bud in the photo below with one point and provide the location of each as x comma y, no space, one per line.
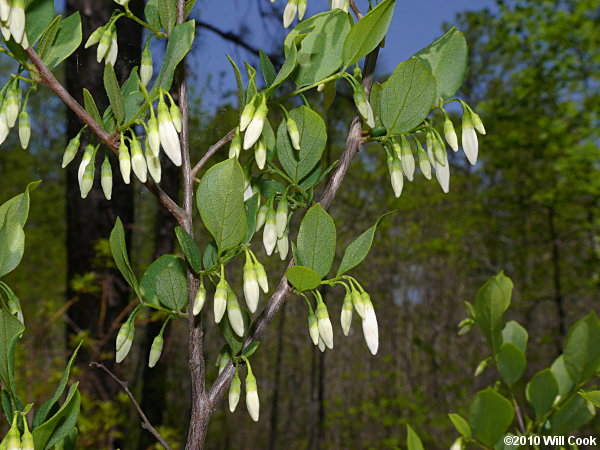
260,153
27,437
153,163
152,135
13,103
252,401
234,314
94,37
313,328
113,50
261,216
24,129
261,276
25,41
290,12
340,4
457,444
155,350
176,117
281,217
251,287
469,138
283,246
220,302
325,328
87,174
270,232
407,159
254,130
234,392
5,30
199,299
450,134
395,168
369,325
364,107
424,163
4,10
168,134
17,20
477,123
247,114
13,437
236,146
292,129
358,303
124,340
346,315
465,326
146,66
138,161
104,45
321,344
71,150
3,124
442,171
481,367
124,162
301,9
223,358
106,179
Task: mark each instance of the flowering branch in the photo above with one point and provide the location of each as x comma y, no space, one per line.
212,150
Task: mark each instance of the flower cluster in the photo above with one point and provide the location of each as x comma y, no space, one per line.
276,223
11,98
252,401
12,21
106,38
14,440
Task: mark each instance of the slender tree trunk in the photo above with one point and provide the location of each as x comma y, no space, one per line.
91,220
276,388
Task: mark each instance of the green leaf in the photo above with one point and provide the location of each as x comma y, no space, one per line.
561,374
119,252
235,342
303,278
60,424
312,178
211,255
492,301
511,363
180,43
171,288
592,397
446,58
490,415
316,240
48,38
239,82
541,392
90,106
151,13
132,96
407,97
69,441
10,330
359,248
368,32
270,188
571,416
320,52
582,348
17,208
251,206
113,91
287,68
38,15
190,249
167,12
6,404
413,441
66,41
249,351
251,89
461,425
148,285
267,69
313,137
220,200
515,334
12,245
42,413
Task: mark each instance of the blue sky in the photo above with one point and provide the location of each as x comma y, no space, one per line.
415,24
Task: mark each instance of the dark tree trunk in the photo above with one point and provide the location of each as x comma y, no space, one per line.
90,220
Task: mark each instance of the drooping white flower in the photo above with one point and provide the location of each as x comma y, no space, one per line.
469,138
289,14
442,172
321,344
124,162
270,232
424,163
346,315
152,135
313,328
234,392
281,216
236,146
168,134
293,132
340,4
251,287
4,10
396,177
146,66
13,103
113,50
252,401
199,299
155,350
71,150
106,179
255,128
325,328
5,30
138,161
16,21
261,276
450,134
220,302
364,107
234,314
153,163
407,159
87,180
370,328
358,303
85,159
24,129
478,124
104,45
260,153
261,216
176,116
248,113
283,246
124,340
301,9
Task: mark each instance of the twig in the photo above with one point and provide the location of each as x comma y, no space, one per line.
112,141
212,150
145,422
356,9
283,291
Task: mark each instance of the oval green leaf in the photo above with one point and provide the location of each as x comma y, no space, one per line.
171,288
490,415
511,363
541,392
190,249
150,278
303,278
316,241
